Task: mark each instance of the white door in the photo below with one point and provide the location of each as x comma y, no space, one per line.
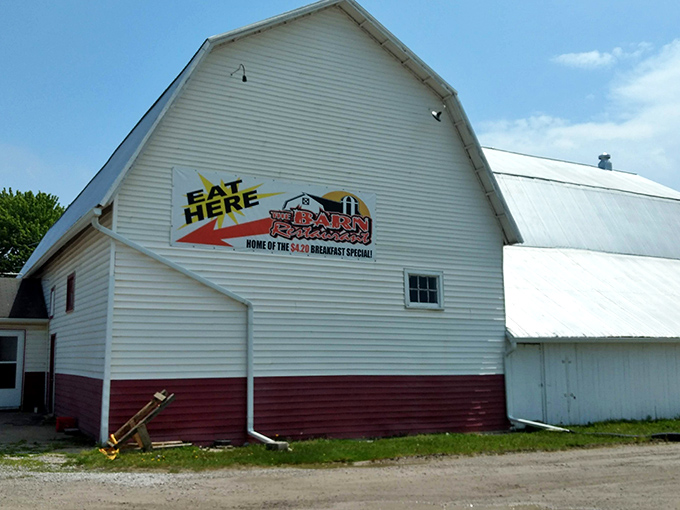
11,368
524,372
561,384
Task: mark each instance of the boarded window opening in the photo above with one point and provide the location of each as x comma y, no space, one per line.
70,292
52,300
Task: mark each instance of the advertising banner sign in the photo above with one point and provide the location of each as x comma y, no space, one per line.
248,213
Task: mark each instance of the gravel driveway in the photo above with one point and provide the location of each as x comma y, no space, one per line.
635,477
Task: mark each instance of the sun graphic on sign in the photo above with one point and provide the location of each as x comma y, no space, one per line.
232,193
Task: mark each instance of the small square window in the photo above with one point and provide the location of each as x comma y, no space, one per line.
70,292
423,289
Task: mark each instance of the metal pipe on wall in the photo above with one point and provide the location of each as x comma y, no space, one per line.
250,356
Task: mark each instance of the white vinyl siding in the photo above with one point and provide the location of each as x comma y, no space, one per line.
324,104
583,383
37,348
166,324
81,334
36,344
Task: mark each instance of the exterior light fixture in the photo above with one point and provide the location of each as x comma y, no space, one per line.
437,115
244,79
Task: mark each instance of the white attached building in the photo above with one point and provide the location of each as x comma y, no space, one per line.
592,294
375,309
24,347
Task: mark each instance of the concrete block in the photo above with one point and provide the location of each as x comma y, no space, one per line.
280,446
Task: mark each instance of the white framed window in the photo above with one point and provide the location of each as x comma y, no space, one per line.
423,289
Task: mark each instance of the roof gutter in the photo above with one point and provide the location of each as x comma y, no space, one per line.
511,344
591,340
449,97
483,170
12,320
79,225
250,376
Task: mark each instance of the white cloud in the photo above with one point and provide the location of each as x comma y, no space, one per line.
587,60
639,124
596,59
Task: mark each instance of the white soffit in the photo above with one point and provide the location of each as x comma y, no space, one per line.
577,294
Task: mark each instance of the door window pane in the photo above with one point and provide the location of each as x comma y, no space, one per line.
8,376
8,348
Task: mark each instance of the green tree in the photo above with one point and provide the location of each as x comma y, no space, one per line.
24,220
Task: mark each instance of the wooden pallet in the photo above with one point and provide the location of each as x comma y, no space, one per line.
135,427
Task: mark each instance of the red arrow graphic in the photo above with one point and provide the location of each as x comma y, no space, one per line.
208,234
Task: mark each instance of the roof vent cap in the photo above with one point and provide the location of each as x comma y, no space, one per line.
604,163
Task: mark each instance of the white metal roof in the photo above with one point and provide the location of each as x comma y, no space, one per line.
103,187
567,205
512,163
572,294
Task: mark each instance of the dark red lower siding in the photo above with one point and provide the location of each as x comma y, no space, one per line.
305,407
80,397
374,406
34,391
203,409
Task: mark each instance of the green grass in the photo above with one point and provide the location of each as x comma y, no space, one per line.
322,452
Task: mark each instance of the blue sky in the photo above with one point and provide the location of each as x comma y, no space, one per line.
562,79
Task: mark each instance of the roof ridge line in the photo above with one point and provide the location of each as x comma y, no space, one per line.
565,248
586,185
558,160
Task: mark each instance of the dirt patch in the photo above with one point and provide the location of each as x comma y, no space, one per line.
640,477
33,432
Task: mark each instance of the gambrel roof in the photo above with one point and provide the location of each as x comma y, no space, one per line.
601,253
102,189
557,204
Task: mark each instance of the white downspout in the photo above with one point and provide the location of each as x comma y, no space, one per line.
250,376
539,425
512,344
510,347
